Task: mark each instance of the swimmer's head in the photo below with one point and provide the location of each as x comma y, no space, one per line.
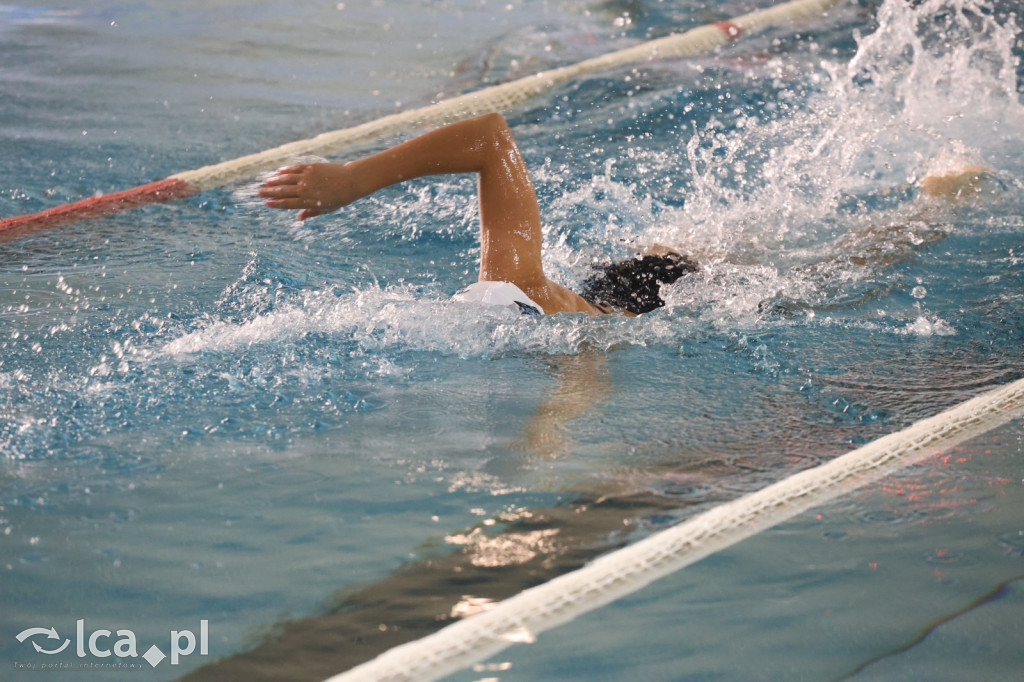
633,285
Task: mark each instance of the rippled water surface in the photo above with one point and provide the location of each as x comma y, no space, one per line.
211,412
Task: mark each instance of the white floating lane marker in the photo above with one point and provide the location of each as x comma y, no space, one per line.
522,617
495,98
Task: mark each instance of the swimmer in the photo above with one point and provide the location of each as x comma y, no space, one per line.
511,270
510,225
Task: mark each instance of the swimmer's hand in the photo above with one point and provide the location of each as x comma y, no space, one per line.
312,188
957,184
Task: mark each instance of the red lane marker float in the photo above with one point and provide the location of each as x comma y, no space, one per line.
154,193
730,29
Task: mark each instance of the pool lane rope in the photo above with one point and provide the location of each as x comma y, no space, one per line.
496,98
522,617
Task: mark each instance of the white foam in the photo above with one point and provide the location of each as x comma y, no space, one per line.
895,112
928,326
396,318
907,104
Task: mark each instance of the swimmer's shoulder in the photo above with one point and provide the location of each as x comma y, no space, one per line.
558,299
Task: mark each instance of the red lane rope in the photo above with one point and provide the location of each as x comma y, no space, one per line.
494,98
101,204
730,29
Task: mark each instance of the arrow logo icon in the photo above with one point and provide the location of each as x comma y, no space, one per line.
55,651
50,633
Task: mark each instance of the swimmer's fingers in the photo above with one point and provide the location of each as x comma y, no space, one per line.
294,172
281,180
279,197
292,204
314,188
281,191
288,198
289,175
286,189
310,213
294,168
288,203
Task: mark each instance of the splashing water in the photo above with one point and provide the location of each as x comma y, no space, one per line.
878,123
374,320
764,201
932,89
351,409
766,195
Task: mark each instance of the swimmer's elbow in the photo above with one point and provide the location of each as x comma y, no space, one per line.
494,121
493,126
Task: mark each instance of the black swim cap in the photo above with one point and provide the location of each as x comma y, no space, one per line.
634,284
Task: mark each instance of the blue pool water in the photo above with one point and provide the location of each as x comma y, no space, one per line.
209,412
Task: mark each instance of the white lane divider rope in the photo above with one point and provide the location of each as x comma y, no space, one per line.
522,617
496,98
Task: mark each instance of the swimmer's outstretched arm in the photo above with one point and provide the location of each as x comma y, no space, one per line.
510,227
888,243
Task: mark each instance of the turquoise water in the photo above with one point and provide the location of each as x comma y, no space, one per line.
209,412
